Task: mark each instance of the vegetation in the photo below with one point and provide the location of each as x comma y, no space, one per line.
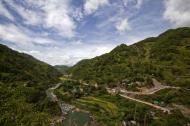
170,96
110,110
16,66
62,68
70,90
23,81
25,106
77,119
166,58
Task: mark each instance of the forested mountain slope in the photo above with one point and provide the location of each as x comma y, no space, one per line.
62,68
166,58
15,66
23,82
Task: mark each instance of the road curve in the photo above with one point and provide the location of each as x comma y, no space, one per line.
149,92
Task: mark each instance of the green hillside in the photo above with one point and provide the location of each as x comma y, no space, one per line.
62,68
23,81
166,58
16,66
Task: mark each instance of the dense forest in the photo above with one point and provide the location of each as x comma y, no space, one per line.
165,58
23,81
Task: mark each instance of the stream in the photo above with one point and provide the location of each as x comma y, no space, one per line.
69,115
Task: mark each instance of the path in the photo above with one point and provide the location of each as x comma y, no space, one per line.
149,91
147,103
112,91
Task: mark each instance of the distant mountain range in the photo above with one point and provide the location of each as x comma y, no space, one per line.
62,68
166,58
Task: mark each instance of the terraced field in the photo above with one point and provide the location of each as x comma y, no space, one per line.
113,110
105,105
101,109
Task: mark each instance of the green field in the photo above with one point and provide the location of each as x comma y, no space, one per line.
110,110
105,105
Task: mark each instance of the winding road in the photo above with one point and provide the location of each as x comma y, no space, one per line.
147,103
157,87
164,109
123,93
148,92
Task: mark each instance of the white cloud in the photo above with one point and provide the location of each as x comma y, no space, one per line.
29,16
123,25
177,12
5,12
91,6
21,36
54,14
71,53
118,15
78,14
133,3
57,15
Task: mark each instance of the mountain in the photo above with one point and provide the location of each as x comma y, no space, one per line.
166,58
23,82
62,68
15,66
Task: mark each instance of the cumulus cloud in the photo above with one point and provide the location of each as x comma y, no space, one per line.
53,14
61,32
123,25
91,6
177,12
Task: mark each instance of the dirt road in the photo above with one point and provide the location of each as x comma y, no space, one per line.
147,103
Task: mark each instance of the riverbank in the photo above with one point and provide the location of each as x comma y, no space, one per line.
70,114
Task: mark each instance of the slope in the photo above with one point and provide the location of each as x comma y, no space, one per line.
15,66
62,68
23,81
166,58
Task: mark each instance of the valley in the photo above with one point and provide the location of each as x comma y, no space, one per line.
83,100
144,84
149,73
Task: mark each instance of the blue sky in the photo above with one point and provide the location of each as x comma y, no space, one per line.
66,31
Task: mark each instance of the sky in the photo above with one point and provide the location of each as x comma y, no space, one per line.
63,32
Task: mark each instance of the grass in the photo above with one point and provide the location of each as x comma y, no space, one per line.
105,105
105,112
110,110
